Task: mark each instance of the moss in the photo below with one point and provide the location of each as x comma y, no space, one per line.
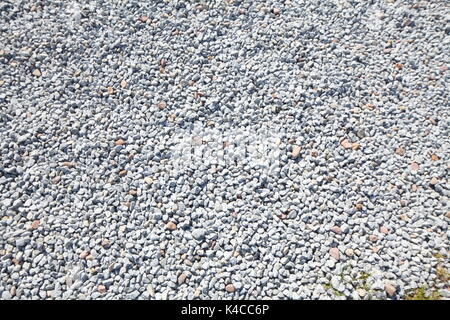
438,256
442,274
420,294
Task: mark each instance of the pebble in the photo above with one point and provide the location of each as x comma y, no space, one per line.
295,151
230,288
334,253
170,145
390,289
171,226
181,278
346,144
336,229
414,166
37,73
119,142
349,252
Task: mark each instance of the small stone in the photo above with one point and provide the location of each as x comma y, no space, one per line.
447,215
101,289
68,164
198,234
434,181
359,206
373,238
384,230
110,90
400,151
37,73
123,84
361,292
143,19
123,173
334,253
336,229
162,105
349,252
105,243
414,188
119,142
181,278
276,11
230,288
355,146
346,144
83,255
34,225
295,151
148,180
434,157
171,226
361,133
390,289
414,166
133,192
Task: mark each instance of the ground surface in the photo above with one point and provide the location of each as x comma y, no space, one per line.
224,149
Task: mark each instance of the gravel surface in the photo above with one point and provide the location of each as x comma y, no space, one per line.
224,149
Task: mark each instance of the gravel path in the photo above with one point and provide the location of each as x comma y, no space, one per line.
224,149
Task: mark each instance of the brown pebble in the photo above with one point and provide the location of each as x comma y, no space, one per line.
123,173
68,164
414,166
447,215
35,225
413,188
123,84
434,157
346,144
133,192
384,230
143,19
400,151
101,288
276,11
171,226
162,105
37,73
359,206
334,253
295,151
119,142
390,289
181,278
373,238
434,181
230,288
355,146
336,229
83,255
110,90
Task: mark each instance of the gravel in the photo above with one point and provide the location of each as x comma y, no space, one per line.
224,149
